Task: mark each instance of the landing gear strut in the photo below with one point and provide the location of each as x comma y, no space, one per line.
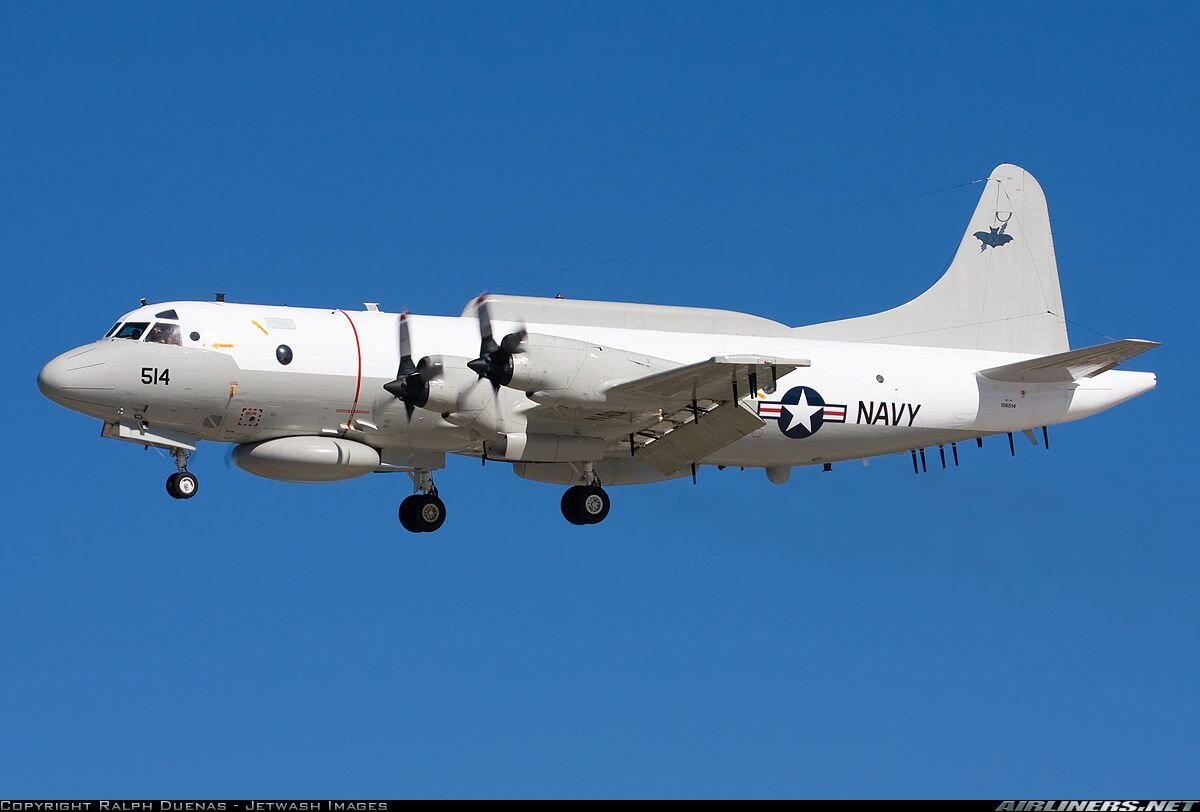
182,484
587,503
424,511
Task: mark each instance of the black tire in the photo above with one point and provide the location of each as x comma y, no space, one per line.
572,509
422,513
585,504
182,485
408,512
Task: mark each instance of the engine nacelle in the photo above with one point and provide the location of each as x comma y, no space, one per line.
548,363
553,370
307,459
455,388
551,448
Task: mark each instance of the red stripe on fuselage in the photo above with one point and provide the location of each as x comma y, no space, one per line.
358,378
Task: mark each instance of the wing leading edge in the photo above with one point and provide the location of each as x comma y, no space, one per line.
720,378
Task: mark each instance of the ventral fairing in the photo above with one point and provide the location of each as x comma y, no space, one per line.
587,394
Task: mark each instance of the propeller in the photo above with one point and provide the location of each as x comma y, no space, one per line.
495,360
412,380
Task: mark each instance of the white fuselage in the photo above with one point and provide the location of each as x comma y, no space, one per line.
227,384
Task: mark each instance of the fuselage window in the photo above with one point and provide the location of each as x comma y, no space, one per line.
194,336
283,354
132,329
113,330
165,334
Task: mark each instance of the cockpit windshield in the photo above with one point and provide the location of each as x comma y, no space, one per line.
132,330
112,330
162,333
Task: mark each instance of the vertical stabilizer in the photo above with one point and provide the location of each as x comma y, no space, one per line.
1000,293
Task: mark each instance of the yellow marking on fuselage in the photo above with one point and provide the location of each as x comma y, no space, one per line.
259,326
222,346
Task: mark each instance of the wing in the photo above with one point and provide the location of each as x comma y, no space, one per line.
721,378
678,416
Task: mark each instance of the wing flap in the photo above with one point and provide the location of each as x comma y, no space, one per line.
1065,367
696,439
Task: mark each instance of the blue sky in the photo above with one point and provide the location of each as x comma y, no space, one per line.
1011,628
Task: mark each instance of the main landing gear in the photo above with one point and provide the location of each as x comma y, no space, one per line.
182,484
587,503
424,511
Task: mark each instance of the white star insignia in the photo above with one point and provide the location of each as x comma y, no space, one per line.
801,413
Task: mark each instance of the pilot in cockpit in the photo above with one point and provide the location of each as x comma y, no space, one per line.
163,333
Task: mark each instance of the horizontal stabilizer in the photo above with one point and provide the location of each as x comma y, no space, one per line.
1065,367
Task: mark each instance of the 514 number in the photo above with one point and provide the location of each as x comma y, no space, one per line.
154,375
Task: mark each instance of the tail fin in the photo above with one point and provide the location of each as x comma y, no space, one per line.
999,293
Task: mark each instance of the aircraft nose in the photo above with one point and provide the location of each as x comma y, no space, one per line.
79,375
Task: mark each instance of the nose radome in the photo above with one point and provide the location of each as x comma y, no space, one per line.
81,374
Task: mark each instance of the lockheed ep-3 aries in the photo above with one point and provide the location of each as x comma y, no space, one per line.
591,394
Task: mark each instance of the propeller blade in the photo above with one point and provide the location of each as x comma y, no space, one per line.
513,342
410,386
430,368
495,360
406,365
484,317
487,343
499,413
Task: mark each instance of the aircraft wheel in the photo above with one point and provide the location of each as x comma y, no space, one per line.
407,509
570,505
585,504
422,513
595,504
182,485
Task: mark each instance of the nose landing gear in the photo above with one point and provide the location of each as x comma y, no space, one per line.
424,511
182,484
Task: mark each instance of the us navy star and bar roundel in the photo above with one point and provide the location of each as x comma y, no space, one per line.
802,411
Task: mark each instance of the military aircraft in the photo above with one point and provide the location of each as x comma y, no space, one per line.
587,394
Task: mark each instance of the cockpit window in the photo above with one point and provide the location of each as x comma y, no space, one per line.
132,329
166,314
112,330
162,333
